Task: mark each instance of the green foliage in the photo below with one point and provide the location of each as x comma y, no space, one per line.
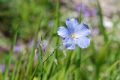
27,19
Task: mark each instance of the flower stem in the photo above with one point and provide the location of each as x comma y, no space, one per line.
97,72
101,25
10,54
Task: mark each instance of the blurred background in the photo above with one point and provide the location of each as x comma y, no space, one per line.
27,24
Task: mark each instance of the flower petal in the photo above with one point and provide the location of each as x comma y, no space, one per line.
82,42
82,30
71,24
63,32
69,43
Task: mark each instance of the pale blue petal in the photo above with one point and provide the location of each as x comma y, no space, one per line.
82,42
63,32
82,30
69,43
71,24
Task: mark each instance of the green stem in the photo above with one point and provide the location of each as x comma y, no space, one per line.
49,56
78,62
17,71
68,60
40,65
97,75
101,25
57,16
15,68
55,29
68,63
97,72
31,58
10,55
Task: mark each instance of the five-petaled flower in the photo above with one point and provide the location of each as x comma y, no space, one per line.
75,33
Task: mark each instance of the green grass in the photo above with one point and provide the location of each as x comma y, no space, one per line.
29,19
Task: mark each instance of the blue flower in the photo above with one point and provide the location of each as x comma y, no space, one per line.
74,34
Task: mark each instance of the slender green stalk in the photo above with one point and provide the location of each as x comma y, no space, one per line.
50,55
80,16
10,55
14,70
101,25
18,70
68,62
97,71
34,72
79,56
56,26
40,61
31,58
78,64
57,16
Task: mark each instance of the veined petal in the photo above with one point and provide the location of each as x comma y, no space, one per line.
82,42
82,30
69,43
71,24
63,32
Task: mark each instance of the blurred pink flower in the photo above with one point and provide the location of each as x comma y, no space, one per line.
2,67
18,48
87,12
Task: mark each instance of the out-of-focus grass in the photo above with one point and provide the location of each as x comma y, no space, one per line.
29,19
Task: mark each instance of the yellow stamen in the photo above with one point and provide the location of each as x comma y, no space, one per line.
73,35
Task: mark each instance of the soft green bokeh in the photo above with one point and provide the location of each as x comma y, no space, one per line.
24,20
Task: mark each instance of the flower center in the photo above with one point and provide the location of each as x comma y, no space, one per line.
73,35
